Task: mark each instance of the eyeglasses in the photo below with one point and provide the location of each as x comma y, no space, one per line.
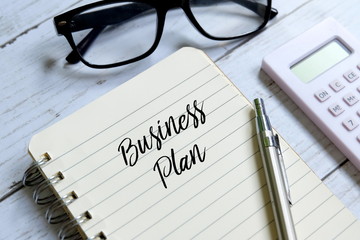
113,33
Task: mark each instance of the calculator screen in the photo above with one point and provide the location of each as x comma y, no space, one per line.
320,61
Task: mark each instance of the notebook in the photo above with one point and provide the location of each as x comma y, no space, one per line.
173,154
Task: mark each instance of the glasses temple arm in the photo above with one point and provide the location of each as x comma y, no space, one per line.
83,46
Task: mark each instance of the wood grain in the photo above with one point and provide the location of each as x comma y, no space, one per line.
38,89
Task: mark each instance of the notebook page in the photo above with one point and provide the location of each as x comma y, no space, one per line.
173,154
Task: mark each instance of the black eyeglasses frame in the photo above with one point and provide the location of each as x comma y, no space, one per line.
63,26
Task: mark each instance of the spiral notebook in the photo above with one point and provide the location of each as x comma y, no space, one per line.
172,154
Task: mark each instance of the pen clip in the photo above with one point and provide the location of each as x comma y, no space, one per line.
282,167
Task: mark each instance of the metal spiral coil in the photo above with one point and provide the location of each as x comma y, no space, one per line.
40,195
55,212
32,175
69,230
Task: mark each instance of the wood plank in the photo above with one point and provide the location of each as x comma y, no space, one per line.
345,184
19,17
21,219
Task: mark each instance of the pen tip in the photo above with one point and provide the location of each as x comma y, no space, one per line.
289,198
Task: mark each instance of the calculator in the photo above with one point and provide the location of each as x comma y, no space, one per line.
319,70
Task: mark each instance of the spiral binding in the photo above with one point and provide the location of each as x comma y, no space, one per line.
55,213
69,229
32,175
44,189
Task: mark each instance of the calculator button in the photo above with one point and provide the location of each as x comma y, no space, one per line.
350,99
322,95
358,113
351,76
358,88
336,109
350,123
336,85
358,138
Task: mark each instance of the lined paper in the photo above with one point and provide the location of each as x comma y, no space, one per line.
221,192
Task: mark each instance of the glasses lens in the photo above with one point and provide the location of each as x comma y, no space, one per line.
236,17
112,33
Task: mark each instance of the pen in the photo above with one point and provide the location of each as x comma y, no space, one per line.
275,173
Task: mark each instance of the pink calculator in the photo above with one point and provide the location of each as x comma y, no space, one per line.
320,71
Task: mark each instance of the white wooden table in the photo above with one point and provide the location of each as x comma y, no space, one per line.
38,89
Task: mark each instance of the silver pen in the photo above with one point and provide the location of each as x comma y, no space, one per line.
275,173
